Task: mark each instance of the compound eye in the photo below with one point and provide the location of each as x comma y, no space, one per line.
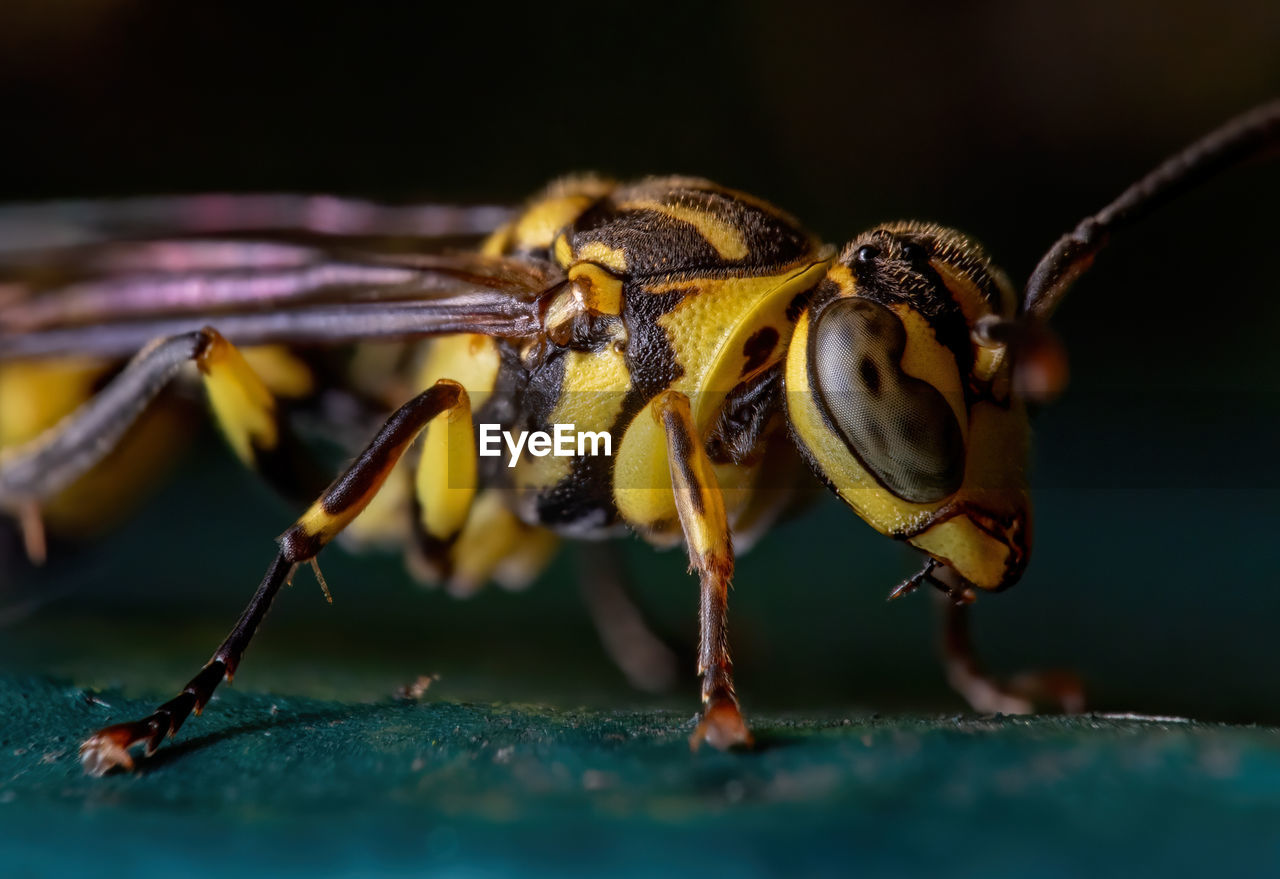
866,253
900,427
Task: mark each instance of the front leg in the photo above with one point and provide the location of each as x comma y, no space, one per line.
700,506
1059,690
1056,690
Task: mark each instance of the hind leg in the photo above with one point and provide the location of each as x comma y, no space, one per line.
35,471
440,408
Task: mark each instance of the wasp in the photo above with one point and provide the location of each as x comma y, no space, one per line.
721,349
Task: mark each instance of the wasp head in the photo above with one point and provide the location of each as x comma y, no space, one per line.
903,407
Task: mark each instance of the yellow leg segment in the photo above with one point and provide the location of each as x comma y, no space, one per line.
496,545
526,560
700,506
243,406
446,479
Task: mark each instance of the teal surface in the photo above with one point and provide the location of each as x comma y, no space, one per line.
309,766
308,787
1156,480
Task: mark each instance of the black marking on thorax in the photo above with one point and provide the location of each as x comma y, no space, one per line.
658,244
586,494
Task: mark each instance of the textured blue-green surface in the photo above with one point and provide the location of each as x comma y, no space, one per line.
308,787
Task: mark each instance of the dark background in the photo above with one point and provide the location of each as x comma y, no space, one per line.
1156,476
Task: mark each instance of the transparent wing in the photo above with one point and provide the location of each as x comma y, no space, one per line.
62,224
109,298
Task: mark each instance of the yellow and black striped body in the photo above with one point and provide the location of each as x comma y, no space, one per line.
676,284
701,333
697,332
867,363
673,284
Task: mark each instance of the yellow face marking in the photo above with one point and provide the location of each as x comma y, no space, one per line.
842,276
973,305
241,402
978,556
932,362
724,237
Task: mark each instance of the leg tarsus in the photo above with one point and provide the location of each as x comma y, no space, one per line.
1059,688
333,511
108,748
722,726
988,695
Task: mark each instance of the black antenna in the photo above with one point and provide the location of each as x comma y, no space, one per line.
1246,137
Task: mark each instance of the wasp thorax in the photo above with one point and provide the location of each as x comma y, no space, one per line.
585,314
